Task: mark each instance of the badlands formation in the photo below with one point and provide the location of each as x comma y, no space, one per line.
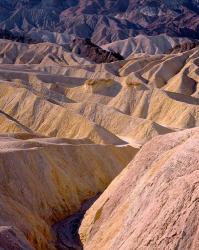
71,128
103,21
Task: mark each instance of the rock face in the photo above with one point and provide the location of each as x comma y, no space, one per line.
102,21
153,203
46,179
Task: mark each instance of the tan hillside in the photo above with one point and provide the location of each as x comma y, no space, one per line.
46,179
153,203
158,44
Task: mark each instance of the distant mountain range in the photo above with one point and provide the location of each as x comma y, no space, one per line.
101,21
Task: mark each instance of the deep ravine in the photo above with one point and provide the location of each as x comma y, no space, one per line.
66,231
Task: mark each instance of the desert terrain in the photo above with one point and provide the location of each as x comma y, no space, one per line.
99,125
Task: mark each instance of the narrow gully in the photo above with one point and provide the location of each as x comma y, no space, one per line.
66,231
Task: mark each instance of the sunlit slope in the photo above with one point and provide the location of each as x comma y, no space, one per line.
131,100
153,203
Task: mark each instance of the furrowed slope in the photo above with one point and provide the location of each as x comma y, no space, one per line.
46,179
159,44
131,100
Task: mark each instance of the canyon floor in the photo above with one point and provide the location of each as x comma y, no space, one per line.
122,135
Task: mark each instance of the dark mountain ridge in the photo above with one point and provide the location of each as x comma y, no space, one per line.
103,21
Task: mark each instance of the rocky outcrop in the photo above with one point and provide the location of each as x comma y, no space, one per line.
153,203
